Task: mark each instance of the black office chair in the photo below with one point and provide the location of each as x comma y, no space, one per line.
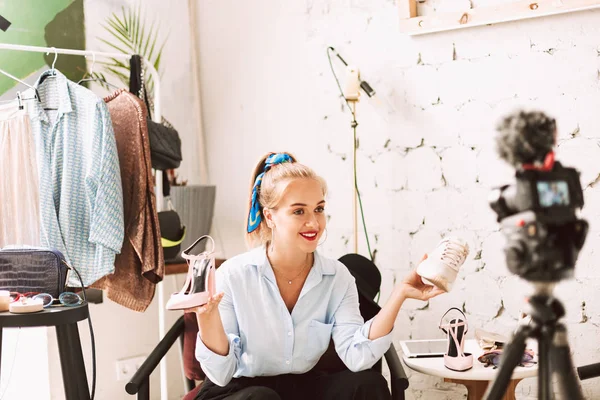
368,283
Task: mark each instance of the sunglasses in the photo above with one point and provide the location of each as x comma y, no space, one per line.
493,357
67,299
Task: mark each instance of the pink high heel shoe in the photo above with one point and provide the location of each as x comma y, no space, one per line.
455,358
199,285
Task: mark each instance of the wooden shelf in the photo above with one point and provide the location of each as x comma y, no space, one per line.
172,269
412,24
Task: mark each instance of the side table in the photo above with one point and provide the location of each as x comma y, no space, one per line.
182,268
476,379
67,335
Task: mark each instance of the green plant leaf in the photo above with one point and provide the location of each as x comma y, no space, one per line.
117,21
114,46
130,32
119,38
128,17
152,36
121,75
136,28
116,29
119,63
143,34
157,62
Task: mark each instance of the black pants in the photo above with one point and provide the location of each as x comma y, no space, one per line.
345,385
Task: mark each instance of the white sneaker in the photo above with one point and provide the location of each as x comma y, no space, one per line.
442,265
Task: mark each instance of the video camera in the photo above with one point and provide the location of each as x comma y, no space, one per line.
554,196
538,214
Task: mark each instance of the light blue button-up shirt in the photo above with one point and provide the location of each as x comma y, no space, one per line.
81,197
266,340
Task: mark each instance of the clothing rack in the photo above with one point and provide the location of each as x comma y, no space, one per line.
156,117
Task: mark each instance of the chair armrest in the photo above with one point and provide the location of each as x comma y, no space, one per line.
399,380
143,373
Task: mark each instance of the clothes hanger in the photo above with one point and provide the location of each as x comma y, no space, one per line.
52,69
36,97
52,74
93,78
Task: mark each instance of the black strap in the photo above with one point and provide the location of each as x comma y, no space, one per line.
146,101
166,185
135,75
137,84
446,313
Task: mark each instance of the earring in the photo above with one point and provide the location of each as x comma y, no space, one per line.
325,238
272,238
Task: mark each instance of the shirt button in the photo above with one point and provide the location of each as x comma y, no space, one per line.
289,333
287,362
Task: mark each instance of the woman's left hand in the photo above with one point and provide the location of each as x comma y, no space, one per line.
412,287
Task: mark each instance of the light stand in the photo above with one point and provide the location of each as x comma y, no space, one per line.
352,96
351,93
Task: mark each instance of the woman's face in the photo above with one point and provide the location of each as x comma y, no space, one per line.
299,218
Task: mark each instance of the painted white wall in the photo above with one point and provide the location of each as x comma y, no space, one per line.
266,86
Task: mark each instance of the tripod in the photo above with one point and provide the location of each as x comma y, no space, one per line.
553,349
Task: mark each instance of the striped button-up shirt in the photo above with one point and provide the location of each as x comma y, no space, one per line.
81,198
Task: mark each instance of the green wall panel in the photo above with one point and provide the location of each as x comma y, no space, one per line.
57,23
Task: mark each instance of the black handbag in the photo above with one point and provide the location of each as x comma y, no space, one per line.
33,269
165,144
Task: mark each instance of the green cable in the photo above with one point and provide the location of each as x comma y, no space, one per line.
362,214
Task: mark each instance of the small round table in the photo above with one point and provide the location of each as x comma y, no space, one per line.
67,335
476,379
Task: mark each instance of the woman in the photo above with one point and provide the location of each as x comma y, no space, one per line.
281,303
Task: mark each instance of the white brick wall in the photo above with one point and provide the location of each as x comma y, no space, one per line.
426,159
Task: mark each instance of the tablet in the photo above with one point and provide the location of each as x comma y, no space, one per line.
424,348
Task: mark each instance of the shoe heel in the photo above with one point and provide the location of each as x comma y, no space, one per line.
211,282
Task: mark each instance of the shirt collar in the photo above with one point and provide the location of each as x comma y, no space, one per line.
64,99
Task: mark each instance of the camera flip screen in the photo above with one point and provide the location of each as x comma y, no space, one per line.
553,193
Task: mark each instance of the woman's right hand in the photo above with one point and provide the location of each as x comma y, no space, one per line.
208,308
210,326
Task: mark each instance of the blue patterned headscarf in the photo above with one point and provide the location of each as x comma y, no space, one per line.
254,217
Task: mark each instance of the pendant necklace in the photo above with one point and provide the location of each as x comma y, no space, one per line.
289,281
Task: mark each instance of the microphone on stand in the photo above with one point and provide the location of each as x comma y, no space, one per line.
354,72
4,23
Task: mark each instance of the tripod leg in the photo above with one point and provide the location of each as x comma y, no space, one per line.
544,370
562,364
511,357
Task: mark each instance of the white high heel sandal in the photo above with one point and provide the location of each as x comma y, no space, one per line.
455,358
199,284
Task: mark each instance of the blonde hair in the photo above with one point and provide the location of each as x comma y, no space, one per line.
270,191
